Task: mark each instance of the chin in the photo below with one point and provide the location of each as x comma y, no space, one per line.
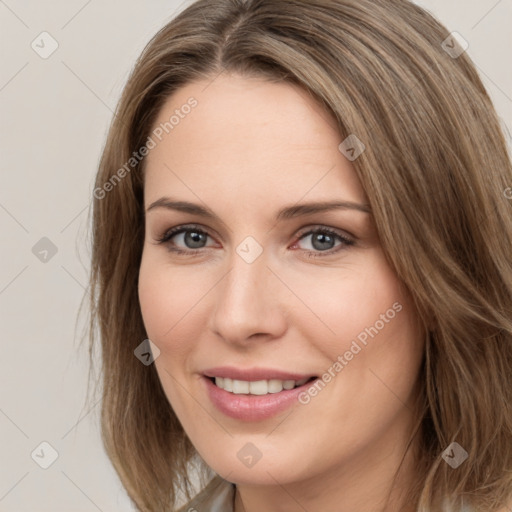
256,462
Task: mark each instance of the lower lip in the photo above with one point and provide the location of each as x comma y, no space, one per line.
253,407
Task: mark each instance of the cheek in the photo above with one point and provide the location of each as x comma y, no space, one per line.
169,301
357,302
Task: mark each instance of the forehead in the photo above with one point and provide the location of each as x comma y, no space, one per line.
249,136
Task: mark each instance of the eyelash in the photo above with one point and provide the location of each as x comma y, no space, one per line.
168,235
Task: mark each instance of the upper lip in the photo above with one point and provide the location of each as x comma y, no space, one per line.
254,374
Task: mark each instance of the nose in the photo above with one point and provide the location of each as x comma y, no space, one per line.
249,303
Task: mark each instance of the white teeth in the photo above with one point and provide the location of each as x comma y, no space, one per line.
259,387
240,387
288,384
228,384
275,386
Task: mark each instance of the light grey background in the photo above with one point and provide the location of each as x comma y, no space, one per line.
55,114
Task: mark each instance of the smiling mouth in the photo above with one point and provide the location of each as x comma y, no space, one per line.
258,387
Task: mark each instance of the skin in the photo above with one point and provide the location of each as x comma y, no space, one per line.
248,149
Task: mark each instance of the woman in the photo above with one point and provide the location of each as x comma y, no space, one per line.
303,205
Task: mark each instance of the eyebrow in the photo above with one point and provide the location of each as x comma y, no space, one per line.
289,212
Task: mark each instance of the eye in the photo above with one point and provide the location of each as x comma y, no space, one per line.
181,238
189,239
324,240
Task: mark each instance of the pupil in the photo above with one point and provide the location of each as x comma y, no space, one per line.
322,241
193,239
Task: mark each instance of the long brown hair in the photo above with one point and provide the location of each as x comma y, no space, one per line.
437,175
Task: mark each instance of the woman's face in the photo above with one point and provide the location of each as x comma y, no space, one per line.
282,280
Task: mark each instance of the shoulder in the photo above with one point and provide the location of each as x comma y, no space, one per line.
217,496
